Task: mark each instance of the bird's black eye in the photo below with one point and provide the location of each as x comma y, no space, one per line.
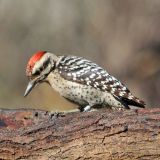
41,69
37,73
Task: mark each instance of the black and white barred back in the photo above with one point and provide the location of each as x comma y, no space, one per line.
82,71
78,80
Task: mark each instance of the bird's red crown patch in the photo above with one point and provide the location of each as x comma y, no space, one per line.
36,57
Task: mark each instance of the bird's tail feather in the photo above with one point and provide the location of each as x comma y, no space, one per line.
134,102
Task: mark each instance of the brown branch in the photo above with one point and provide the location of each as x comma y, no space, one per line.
103,134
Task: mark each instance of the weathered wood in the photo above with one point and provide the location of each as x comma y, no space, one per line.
103,134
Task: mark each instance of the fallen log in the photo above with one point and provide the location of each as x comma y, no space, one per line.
104,134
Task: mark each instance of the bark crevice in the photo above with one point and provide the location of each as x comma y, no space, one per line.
103,134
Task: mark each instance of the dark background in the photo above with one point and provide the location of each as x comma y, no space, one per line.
121,36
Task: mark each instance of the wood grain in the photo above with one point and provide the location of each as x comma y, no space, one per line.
104,134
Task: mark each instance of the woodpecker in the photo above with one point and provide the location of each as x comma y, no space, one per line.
80,81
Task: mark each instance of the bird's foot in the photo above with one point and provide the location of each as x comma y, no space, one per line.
87,108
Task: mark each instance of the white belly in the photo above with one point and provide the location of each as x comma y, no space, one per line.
79,93
73,91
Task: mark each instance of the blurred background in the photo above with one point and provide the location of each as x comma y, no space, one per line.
121,36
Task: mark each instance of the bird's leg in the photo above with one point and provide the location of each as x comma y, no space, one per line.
87,108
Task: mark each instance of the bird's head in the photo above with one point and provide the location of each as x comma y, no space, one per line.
38,68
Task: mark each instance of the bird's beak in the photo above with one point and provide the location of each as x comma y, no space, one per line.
29,88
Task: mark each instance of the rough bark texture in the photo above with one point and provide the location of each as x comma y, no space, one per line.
103,134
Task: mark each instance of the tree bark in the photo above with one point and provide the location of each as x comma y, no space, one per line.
104,134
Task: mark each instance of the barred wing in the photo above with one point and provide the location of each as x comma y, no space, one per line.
80,70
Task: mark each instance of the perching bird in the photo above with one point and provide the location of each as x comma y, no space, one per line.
80,81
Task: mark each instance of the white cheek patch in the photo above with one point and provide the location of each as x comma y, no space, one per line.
40,63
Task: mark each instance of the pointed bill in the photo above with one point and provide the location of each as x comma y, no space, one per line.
29,88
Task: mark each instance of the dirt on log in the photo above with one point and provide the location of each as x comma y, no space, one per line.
104,134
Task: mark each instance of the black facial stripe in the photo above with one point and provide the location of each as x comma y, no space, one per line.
42,68
36,73
45,64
